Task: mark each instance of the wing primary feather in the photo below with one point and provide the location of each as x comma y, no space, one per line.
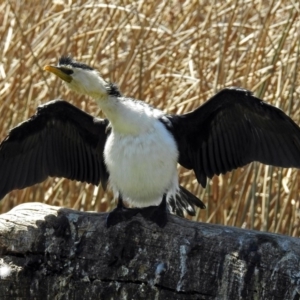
263,144
90,166
204,155
72,159
211,160
292,153
52,159
80,162
68,153
77,165
84,170
15,167
4,170
218,156
287,157
238,147
234,157
228,151
198,163
223,152
278,151
41,172
28,168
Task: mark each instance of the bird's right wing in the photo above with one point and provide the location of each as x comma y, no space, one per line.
232,129
59,140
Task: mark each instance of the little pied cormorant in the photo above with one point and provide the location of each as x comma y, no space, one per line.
136,149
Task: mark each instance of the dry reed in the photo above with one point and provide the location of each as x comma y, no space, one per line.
174,55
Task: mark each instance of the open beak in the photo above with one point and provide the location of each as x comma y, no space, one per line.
58,72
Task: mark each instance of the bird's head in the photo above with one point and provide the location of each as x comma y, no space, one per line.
80,77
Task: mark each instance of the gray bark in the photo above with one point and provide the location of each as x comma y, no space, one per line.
48,252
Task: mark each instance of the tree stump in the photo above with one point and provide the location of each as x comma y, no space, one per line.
49,252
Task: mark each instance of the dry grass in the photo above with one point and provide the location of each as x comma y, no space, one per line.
174,55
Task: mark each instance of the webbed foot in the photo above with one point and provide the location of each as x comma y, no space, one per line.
157,213
120,214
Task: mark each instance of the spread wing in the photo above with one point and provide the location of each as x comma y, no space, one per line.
59,140
232,129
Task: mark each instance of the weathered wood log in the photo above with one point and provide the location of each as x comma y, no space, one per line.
49,252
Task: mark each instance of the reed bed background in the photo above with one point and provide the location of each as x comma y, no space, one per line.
174,55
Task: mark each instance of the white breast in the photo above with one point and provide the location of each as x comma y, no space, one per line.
142,166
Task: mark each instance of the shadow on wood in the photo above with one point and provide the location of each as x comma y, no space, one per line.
48,252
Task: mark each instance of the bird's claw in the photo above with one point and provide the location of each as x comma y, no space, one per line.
156,215
120,214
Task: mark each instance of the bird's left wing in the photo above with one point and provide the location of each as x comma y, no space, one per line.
59,140
232,129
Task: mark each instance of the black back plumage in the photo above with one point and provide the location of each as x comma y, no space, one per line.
59,140
232,129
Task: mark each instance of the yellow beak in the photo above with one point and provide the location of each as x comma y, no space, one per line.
58,72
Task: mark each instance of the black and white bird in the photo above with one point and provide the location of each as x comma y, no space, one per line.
137,148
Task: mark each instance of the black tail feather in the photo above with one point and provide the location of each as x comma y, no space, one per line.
185,201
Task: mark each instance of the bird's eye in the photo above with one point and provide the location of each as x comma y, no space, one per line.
67,71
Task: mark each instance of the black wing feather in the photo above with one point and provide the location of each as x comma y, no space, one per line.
59,140
232,129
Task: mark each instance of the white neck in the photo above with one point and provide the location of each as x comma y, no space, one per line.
126,115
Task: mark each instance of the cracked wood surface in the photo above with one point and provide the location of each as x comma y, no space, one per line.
48,252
